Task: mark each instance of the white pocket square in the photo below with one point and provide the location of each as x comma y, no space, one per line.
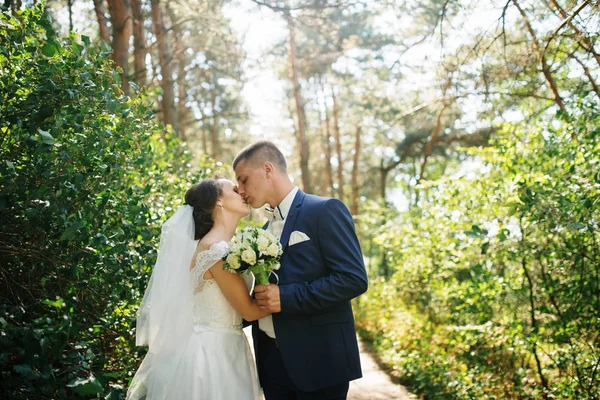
298,237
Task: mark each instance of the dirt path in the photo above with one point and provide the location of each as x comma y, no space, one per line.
375,384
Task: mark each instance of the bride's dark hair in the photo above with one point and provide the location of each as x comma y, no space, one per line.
203,197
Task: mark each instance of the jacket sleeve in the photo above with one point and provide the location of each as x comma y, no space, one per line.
342,255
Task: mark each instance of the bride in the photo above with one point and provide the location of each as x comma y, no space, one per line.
191,314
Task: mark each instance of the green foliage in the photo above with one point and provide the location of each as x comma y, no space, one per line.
85,182
494,291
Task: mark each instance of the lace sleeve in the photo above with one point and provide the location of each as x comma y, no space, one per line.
206,259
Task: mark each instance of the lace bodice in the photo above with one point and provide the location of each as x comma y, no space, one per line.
211,308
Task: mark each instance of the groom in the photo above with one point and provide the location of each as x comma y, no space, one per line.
307,348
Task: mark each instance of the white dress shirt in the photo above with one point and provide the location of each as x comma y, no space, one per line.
276,228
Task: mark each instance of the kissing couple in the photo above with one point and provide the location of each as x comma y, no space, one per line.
193,311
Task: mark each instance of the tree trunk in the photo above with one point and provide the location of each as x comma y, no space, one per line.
182,110
204,136
101,16
139,43
70,8
214,133
204,141
383,173
164,57
542,59
385,170
179,55
302,141
15,6
434,135
120,17
328,178
534,325
338,146
585,39
355,165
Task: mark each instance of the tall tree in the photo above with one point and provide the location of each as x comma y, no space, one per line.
214,132
327,183
168,114
355,171
70,8
338,145
139,43
101,17
179,55
120,18
300,113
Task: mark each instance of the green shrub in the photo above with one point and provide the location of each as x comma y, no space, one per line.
495,286
85,182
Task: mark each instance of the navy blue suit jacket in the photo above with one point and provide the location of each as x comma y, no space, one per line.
315,329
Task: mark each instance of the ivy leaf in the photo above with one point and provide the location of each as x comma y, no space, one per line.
112,105
49,49
46,137
86,386
25,371
58,303
576,226
70,231
485,247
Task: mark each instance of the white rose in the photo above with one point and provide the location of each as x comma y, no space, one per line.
248,236
249,256
276,266
263,243
235,248
233,261
273,250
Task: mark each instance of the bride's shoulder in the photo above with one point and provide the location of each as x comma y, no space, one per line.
208,251
207,243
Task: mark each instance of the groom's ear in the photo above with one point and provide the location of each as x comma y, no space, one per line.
268,167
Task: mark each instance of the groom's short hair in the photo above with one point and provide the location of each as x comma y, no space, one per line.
259,152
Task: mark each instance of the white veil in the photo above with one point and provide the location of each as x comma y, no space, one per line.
164,321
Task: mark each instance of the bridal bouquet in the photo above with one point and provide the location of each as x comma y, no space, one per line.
254,250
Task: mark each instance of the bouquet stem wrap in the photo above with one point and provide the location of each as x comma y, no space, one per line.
262,278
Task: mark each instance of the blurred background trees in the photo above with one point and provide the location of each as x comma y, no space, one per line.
462,135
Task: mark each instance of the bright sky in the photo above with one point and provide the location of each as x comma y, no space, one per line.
260,29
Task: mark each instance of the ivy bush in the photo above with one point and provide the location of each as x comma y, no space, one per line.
86,178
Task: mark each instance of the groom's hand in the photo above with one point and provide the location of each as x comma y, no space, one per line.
267,298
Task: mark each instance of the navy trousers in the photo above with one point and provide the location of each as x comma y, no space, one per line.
277,385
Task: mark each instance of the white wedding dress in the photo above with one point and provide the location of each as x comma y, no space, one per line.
216,362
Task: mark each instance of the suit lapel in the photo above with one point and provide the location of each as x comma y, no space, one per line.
290,221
